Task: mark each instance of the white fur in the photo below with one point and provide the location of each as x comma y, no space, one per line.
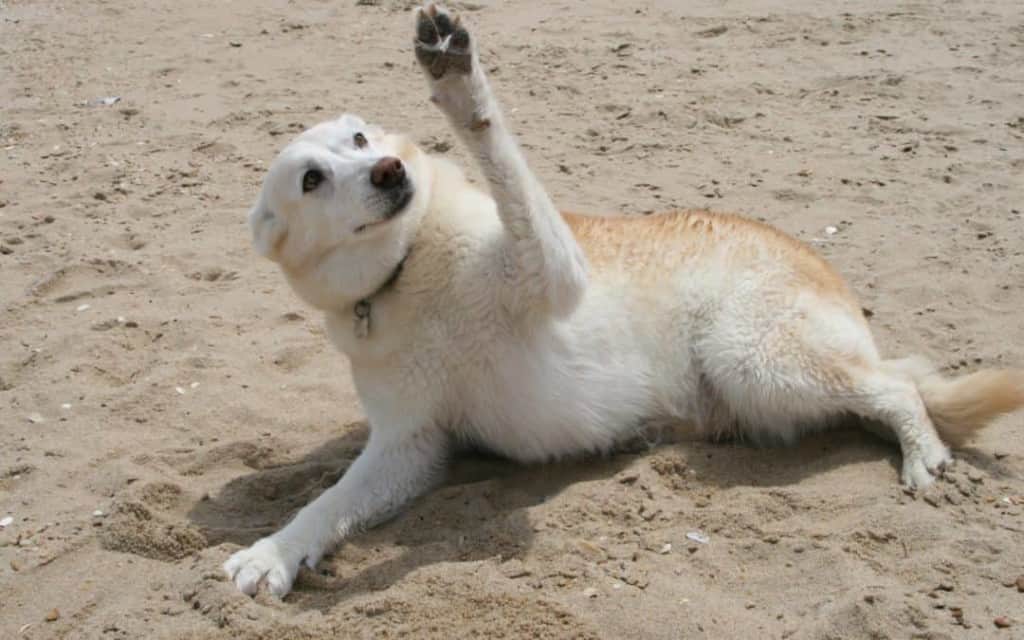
493,334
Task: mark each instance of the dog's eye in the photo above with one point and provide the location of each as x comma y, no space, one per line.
311,180
360,140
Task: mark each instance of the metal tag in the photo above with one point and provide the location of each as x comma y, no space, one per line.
362,319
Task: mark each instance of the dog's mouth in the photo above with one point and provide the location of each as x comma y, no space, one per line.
401,201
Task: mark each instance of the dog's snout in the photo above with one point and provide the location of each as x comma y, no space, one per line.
387,173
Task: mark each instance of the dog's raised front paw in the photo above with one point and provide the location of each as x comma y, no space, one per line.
442,44
273,560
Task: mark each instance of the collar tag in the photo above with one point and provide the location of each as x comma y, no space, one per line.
362,319
362,309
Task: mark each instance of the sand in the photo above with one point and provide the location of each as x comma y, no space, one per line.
164,398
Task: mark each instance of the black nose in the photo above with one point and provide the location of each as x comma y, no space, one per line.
387,173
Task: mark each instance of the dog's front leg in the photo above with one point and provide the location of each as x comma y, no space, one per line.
394,468
541,261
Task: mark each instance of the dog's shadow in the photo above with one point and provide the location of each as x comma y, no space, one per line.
482,510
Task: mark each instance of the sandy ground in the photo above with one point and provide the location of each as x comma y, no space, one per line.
154,369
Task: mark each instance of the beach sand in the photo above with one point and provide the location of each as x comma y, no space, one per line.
165,398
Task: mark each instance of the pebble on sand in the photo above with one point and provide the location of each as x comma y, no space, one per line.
1002,622
6,521
590,550
698,536
53,615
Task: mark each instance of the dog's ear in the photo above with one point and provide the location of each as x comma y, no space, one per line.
268,231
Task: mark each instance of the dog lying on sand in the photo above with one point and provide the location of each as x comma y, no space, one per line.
492,319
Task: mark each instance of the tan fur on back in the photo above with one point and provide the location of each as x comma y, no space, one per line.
648,245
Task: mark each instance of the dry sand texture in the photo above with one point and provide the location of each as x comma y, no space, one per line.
154,369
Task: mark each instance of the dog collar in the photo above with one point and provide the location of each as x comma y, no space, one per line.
364,308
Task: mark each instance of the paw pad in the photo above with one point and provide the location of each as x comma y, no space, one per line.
442,44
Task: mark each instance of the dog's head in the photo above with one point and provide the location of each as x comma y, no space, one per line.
338,207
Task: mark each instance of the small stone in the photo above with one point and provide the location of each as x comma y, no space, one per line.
514,568
53,615
713,32
180,391
975,477
665,548
36,418
98,514
235,44
6,521
82,307
932,499
590,550
698,536
590,592
1020,583
831,230
1002,622
627,477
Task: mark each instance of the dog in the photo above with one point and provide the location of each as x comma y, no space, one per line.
492,319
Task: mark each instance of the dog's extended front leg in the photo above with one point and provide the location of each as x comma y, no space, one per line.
394,468
541,261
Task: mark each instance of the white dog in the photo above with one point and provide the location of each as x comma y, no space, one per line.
493,319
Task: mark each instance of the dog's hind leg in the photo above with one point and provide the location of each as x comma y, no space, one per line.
542,267
804,373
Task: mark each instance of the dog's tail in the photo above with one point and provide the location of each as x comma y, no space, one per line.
961,407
